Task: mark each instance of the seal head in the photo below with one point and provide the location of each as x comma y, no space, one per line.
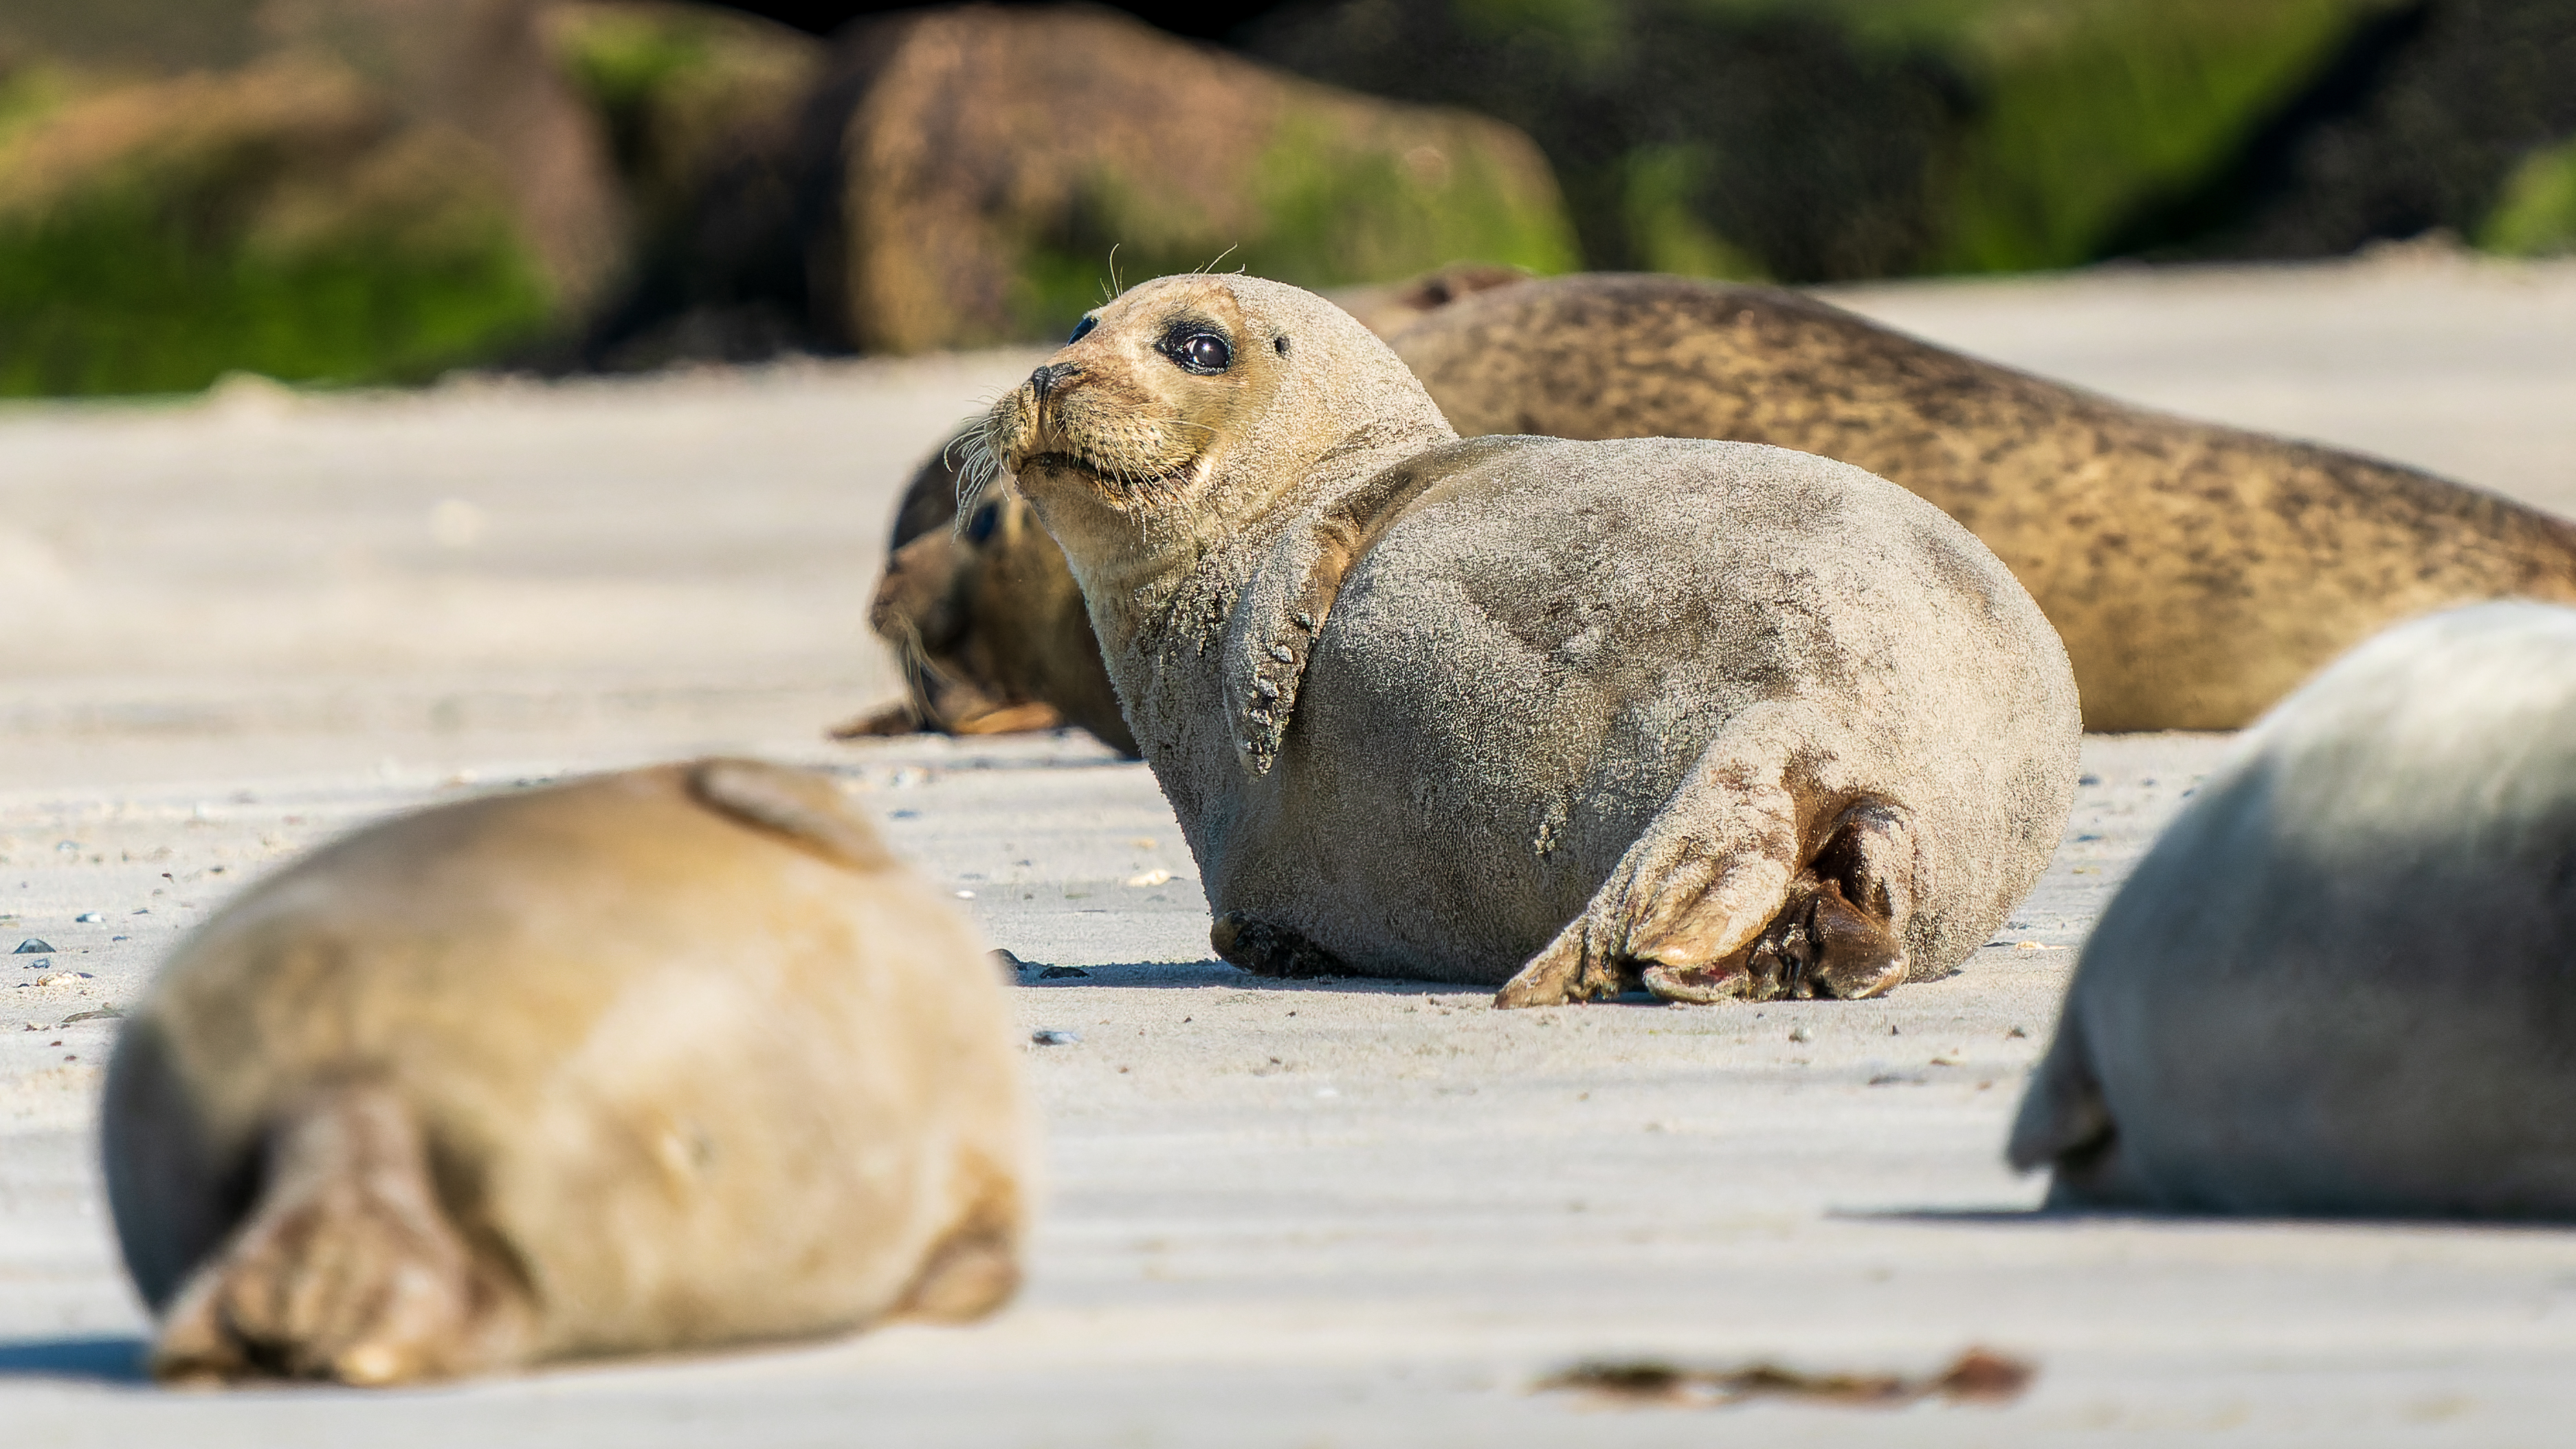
1193,408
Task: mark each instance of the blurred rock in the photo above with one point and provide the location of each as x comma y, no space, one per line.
1834,142
684,90
994,157
730,154
351,190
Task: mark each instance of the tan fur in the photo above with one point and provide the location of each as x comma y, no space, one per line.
991,632
1728,720
657,1060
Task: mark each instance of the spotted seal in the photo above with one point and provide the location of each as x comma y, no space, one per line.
1552,716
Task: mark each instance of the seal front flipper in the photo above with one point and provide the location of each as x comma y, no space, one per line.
1270,950
1282,607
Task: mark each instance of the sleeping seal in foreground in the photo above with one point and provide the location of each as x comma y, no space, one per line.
657,1060
1558,717
2342,982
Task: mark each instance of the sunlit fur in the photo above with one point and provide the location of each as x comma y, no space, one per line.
1531,711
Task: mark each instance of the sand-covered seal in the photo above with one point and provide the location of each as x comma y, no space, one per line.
647,1061
1734,720
985,620
2341,982
2197,573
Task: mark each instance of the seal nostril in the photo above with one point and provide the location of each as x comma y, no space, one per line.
1046,379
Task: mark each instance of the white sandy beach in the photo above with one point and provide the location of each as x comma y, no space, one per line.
1339,1213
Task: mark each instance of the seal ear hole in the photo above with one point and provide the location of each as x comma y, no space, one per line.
1279,345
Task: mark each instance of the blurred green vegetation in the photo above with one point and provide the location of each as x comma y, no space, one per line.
173,210
1818,140
2536,216
1331,207
2090,111
156,235
676,84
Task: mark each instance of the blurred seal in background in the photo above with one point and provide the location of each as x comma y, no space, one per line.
2341,982
985,621
658,1060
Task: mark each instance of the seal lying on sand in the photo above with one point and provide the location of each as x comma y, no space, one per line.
655,1060
1737,720
2339,982
986,621
2197,573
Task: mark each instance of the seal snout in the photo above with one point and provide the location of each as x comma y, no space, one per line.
1047,378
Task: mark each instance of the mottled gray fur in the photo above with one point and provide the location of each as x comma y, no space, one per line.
1462,710
2341,982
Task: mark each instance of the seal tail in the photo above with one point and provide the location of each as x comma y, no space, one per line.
348,1267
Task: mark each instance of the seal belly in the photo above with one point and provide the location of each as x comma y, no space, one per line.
1510,685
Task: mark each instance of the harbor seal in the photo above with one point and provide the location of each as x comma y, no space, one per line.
2338,983
665,1059
1558,717
2197,573
985,620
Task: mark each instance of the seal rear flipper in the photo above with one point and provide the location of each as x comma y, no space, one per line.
1716,877
976,1268
2065,1124
800,805
348,1268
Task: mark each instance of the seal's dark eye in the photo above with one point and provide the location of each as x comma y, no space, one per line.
980,527
1203,352
1081,330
